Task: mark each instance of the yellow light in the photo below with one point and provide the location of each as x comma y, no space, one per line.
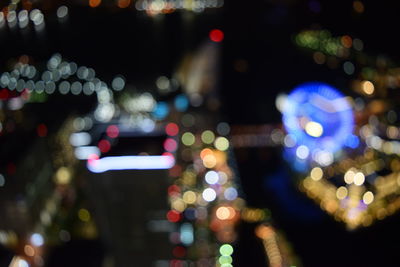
189,197
209,161
392,132
205,152
349,177
368,87
316,173
314,129
221,143
178,204
264,232
381,214
84,215
253,215
359,178
63,176
29,251
367,221
223,213
341,192
189,178
368,197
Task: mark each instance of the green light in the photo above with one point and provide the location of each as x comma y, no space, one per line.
37,97
226,250
228,265
221,143
188,139
225,260
207,137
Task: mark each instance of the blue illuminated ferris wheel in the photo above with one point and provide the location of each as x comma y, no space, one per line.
318,116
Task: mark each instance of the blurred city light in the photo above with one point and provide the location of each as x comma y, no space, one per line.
130,163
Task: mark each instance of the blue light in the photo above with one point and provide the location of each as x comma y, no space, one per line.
161,111
321,105
231,193
37,240
352,141
181,102
190,213
187,236
300,165
297,164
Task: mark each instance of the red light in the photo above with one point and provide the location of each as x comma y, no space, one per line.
92,159
173,190
25,94
167,154
42,130
4,94
104,146
179,252
112,131
176,263
216,35
173,216
172,129
170,145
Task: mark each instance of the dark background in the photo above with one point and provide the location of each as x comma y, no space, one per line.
259,33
